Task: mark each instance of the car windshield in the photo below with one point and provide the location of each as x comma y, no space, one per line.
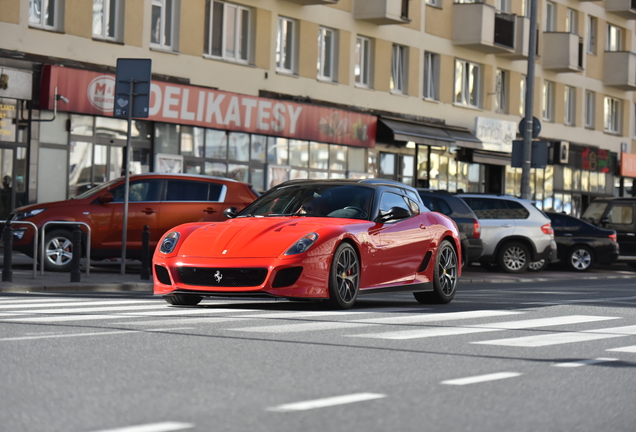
336,201
95,190
594,212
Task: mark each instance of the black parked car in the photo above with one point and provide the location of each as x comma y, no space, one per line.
580,244
455,208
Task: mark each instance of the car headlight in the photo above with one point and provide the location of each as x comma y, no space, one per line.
169,242
27,214
303,244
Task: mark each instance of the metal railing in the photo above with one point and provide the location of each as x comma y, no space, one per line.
35,242
88,243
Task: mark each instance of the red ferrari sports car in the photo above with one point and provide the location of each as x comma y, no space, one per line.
315,240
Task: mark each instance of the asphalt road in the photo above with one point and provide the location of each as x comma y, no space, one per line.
547,356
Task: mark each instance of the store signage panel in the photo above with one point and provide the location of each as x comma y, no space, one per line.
93,93
495,135
628,165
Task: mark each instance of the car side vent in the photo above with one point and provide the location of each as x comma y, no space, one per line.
425,261
163,275
287,277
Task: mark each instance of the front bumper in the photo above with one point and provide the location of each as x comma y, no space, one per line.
472,249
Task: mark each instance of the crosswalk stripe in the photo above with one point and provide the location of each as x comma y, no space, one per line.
563,338
627,349
78,303
484,328
6,301
206,320
584,362
438,317
89,309
317,314
302,327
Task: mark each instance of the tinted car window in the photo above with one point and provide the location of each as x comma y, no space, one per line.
513,210
143,190
557,221
184,190
437,205
595,211
390,200
621,214
484,208
572,224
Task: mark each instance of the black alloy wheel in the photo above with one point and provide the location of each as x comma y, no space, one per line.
344,277
445,276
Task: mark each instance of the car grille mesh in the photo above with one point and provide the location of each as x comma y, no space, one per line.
222,277
287,277
163,275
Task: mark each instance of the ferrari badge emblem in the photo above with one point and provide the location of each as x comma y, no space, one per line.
218,276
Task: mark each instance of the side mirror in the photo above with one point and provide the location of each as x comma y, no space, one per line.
106,197
605,221
394,214
230,212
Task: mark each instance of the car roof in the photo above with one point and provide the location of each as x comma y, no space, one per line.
508,197
182,175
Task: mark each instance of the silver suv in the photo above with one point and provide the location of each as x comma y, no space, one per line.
514,232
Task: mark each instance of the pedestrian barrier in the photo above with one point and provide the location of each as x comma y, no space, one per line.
8,239
88,243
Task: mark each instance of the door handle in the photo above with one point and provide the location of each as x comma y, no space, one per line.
423,226
149,211
209,210
506,226
567,235
631,234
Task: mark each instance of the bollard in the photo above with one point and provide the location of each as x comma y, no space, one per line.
77,254
145,253
7,273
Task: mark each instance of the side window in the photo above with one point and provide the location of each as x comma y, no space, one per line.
185,190
144,190
557,221
444,208
484,208
621,214
390,200
572,224
415,208
513,210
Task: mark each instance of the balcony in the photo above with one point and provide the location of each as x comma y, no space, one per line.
313,2
562,52
382,12
624,8
480,27
620,70
522,39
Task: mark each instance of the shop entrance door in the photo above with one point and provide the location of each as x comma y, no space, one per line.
494,179
7,193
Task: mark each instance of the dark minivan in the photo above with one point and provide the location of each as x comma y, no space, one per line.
455,208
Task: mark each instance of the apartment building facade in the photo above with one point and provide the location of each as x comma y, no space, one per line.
428,92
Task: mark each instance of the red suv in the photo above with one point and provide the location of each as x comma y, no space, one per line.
160,201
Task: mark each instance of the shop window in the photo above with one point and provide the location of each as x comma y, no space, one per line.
215,144
399,67
82,125
259,148
286,45
278,151
296,174
107,19
217,169
46,14
54,132
327,54
319,155
228,31
239,146
192,141
163,25
387,164
594,182
337,175
257,176
299,153
362,71
357,158
337,157
238,172
167,138
191,168
567,178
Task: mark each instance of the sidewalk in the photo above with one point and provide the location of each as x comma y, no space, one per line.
105,276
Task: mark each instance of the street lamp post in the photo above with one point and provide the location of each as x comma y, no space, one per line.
528,120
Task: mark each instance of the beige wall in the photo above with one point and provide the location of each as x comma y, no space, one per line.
10,11
382,68
308,52
134,23
78,18
344,57
192,26
263,40
439,21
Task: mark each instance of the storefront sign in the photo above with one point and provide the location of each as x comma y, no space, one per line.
7,119
496,135
628,165
93,93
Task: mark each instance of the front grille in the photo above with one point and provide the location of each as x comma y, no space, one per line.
287,277
222,277
163,275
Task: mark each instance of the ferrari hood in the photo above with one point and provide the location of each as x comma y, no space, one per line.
266,237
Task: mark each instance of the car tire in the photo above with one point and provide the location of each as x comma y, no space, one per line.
537,266
344,277
514,257
580,258
183,299
445,277
58,250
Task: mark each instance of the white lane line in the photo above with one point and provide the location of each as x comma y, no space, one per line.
563,338
594,300
481,378
77,303
318,314
70,335
627,349
302,327
585,362
326,402
153,427
484,328
200,320
437,317
6,301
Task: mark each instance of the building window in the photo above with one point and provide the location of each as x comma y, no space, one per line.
467,82
362,70
501,83
612,115
398,69
614,38
326,54
434,2
570,105
228,31
106,19
591,34
525,8
571,21
522,96
162,29
431,75
286,45
503,6
550,22
548,101
590,109
44,14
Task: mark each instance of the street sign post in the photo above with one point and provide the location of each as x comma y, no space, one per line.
132,99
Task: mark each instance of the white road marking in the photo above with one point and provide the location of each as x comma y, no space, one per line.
206,320
594,300
563,338
302,327
153,427
318,314
89,309
7,301
327,402
437,317
58,336
627,349
585,362
77,303
484,328
481,378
